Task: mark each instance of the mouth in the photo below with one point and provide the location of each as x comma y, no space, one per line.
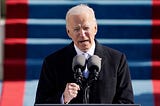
83,41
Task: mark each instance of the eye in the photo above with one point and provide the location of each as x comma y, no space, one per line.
86,28
76,29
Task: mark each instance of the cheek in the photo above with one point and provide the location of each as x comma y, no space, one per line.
74,37
71,35
91,35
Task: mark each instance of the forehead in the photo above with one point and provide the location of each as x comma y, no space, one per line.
80,19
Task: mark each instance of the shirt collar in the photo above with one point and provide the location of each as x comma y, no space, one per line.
90,51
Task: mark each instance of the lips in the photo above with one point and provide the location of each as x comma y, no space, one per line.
83,41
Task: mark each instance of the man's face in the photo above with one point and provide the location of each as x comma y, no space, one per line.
82,29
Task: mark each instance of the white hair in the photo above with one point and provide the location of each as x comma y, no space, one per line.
78,9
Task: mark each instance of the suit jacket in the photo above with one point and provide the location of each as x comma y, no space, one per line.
112,87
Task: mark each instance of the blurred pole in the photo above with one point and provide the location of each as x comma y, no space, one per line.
2,25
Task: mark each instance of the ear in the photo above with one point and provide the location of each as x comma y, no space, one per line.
67,31
96,29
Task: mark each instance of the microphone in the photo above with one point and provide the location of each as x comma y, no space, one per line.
78,65
94,67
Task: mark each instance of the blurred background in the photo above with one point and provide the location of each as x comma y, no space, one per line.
33,29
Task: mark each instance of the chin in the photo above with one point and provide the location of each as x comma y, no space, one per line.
85,50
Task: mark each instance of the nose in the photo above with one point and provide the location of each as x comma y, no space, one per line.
82,32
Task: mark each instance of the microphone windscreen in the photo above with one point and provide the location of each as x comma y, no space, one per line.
94,63
79,61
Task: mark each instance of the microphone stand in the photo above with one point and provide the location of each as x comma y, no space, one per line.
92,78
79,77
86,94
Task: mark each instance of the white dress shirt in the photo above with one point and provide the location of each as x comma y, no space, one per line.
90,51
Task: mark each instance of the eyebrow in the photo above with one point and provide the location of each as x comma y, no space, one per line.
77,26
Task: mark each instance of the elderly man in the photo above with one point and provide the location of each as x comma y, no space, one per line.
57,83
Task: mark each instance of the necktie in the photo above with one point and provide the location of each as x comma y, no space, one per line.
86,72
86,55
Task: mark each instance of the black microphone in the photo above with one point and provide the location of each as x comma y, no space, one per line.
78,65
94,67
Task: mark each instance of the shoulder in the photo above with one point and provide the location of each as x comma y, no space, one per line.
109,53
112,51
105,50
60,54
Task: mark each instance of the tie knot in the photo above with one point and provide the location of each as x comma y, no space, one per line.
86,55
